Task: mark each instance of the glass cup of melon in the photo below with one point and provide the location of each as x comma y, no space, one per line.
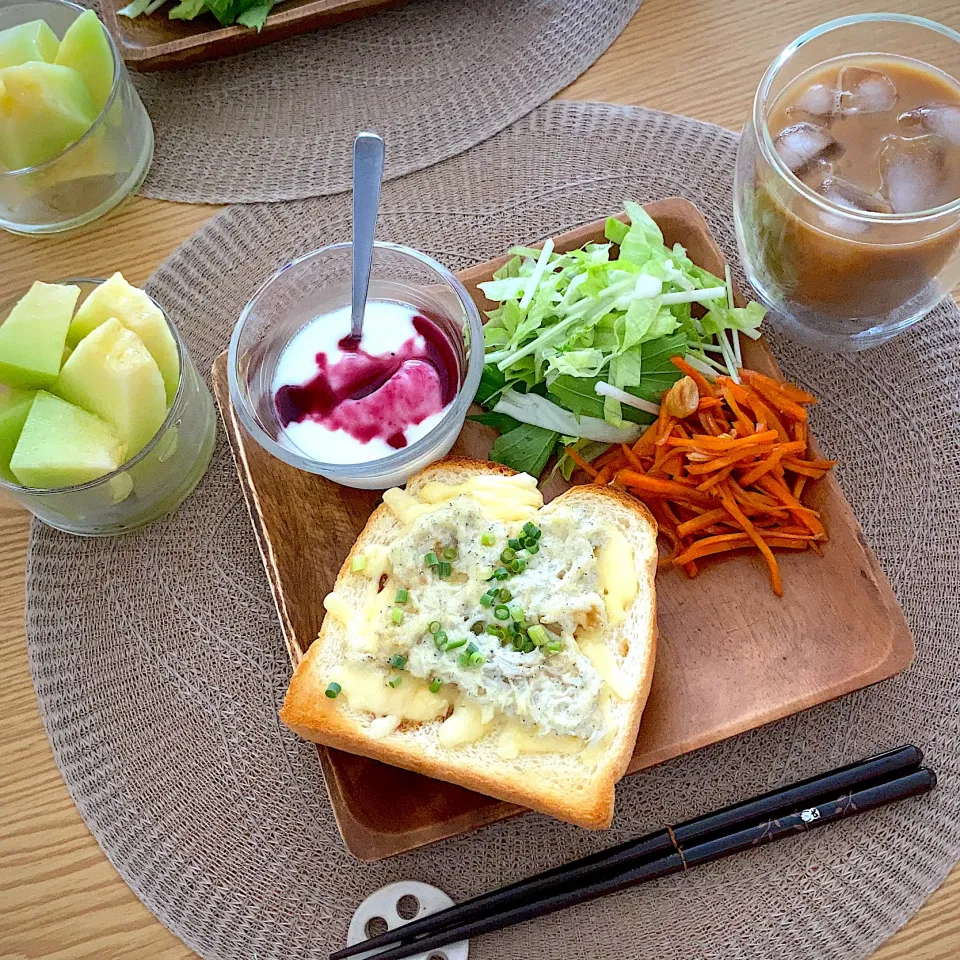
105,424
75,139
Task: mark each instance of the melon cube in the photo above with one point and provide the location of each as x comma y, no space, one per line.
33,336
44,108
111,374
137,312
27,41
14,407
85,48
62,445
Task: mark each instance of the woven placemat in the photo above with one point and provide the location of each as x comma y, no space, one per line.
159,664
433,78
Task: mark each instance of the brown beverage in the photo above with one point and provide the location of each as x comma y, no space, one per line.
868,133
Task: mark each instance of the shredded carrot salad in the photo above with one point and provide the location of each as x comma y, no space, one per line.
723,468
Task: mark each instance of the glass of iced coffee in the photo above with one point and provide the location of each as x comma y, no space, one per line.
847,191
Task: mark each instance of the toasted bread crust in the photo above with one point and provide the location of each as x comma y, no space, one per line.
586,800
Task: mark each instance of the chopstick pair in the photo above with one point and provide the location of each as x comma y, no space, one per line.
815,802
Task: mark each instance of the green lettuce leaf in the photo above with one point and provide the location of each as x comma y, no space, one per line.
745,319
615,230
583,362
643,237
187,10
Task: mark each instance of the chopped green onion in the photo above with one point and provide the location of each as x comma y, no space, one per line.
532,530
358,563
554,646
533,547
333,689
434,626
487,538
504,595
517,613
394,682
501,612
514,543
455,643
440,639
403,596
507,554
477,658
518,643
518,565
396,615
431,559
494,630
435,684
398,660
472,647
501,573
538,634
528,646
477,627
450,553
486,600
444,569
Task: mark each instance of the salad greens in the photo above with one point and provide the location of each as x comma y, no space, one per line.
578,349
250,13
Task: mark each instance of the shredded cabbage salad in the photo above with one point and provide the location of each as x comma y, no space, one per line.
578,349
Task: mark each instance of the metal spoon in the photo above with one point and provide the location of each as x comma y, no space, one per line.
367,176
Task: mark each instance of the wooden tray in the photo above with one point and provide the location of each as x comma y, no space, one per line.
156,42
731,656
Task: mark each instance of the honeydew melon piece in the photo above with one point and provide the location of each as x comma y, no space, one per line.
32,337
44,108
137,312
27,41
61,445
14,407
85,48
111,374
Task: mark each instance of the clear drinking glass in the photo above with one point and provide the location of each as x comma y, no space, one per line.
317,284
107,164
840,279
151,484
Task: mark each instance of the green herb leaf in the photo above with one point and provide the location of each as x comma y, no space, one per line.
577,394
525,448
499,421
492,381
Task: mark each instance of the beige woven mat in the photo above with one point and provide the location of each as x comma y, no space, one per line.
434,78
159,663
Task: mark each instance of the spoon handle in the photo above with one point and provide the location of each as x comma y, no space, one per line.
367,176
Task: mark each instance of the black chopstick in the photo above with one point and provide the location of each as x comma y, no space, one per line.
633,852
842,806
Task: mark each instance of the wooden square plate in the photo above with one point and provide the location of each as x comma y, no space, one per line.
731,655
156,42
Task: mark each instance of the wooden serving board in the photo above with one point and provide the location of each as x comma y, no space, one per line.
731,656
156,42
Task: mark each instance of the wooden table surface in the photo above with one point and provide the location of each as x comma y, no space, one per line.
59,896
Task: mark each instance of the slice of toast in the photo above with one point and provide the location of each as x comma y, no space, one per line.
568,776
